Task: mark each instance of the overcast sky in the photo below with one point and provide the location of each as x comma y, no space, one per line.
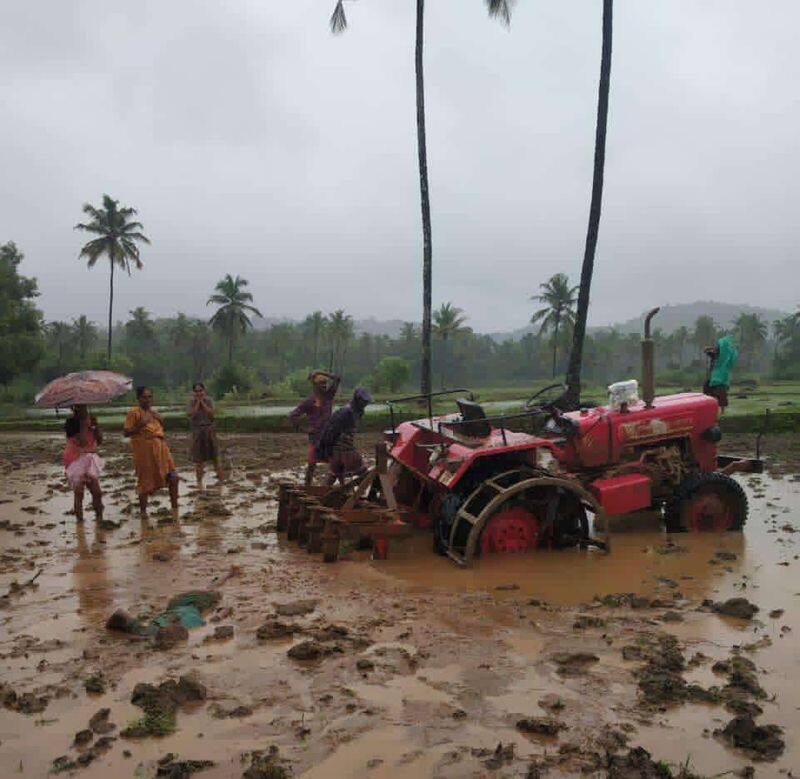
254,142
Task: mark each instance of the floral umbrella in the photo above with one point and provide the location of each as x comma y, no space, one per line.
83,387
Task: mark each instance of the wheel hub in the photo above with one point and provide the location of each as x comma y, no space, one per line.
511,530
709,512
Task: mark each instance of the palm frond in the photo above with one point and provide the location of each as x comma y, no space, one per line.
90,227
500,9
338,19
96,213
92,250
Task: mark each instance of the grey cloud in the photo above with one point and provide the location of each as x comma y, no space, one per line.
253,141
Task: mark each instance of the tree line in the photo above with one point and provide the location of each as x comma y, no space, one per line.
235,353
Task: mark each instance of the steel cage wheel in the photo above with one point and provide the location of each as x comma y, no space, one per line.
547,485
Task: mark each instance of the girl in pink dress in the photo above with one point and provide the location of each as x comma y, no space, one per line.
81,463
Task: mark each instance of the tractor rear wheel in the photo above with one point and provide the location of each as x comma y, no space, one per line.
512,529
706,502
517,511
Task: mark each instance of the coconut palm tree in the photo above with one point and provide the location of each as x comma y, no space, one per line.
751,331
448,322
180,332
500,9
201,347
85,334
140,328
231,318
408,332
558,298
61,337
705,332
680,337
140,335
340,333
315,326
587,269
117,238
786,328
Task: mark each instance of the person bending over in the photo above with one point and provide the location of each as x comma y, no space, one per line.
337,442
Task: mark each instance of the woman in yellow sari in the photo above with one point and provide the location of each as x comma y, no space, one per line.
152,460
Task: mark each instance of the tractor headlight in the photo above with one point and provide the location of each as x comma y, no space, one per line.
713,434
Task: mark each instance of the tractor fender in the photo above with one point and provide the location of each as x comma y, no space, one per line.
505,494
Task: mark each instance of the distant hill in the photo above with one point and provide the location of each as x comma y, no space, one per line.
390,327
671,317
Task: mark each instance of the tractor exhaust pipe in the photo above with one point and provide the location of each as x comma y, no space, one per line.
648,362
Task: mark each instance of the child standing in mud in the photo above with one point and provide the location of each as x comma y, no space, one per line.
317,407
81,463
152,459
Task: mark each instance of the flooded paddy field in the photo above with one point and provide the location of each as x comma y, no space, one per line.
561,663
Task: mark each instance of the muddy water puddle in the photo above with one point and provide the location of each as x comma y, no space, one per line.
450,658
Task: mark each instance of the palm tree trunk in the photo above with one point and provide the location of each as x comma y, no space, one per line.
443,358
230,349
579,333
110,311
427,247
555,347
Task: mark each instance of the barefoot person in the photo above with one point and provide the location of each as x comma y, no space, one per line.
317,407
337,443
204,435
81,462
152,460
723,356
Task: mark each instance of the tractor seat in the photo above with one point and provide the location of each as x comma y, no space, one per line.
473,417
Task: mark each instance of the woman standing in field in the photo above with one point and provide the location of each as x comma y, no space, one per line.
317,407
152,460
81,462
204,435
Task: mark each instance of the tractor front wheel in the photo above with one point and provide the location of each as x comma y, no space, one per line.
706,502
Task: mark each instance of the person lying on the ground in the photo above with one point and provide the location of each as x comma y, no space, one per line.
152,459
204,434
317,408
81,463
337,442
723,357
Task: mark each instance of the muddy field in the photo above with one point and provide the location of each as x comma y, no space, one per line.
555,663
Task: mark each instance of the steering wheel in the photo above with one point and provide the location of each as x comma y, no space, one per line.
547,404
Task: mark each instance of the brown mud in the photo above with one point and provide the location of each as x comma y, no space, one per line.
554,663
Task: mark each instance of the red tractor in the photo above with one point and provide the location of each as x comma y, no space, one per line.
485,488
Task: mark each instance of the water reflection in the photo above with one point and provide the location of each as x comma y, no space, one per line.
646,563
90,575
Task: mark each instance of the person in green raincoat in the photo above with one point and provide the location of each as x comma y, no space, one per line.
723,358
